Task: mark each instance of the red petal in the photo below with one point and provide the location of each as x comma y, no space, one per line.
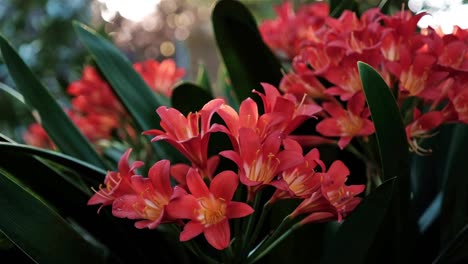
196,184
248,113
344,141
337,173
218,235
159,176
329,127
224,185
123,207
183,207
123,162
191,230
317,217
238,209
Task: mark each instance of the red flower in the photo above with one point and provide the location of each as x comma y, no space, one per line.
302,180
260,162
160,76
116,183
333,200
190,135
37,136
209,209
421,127
149,197
346,124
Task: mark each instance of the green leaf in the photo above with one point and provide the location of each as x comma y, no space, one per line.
189,97
389,127
248,60
38,230
54,120
454,213
139,100
225,86
393,149
358,232
456,250
337,7
91,172
203,80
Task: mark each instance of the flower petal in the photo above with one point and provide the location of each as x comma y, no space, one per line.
224,185
183,207
191,230
218,235
159,176
196,184
238,209
123,207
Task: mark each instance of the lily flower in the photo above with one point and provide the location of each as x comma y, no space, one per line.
346,124
117,183
209,209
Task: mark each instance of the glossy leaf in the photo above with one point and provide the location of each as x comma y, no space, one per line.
91,172
54,120
389,127
455,197
358,232
46,239
203,80
248,60
189,97
139,100
456,251
394,158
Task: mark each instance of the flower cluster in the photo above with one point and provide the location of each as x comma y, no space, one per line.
265,155
426,70
95,109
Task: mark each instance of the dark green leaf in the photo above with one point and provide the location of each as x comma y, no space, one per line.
456,250
38,230
225,86
247,59
389,127
393,149
139,100
54,120
203,80
357,234
88,170
455,197
337,7
189,97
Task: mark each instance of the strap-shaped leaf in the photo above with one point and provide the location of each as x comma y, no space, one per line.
92,173
389,127
357,234
54,120
38,230
454,213
393,149
203,79
248,60
189,97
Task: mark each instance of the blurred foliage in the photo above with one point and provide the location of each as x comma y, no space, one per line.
42,32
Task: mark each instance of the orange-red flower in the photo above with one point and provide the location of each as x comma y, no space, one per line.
37,136
117,183
346,124
333,200
160,76
149,197
209,209
190,135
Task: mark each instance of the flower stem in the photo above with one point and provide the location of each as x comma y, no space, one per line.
253,237
259,254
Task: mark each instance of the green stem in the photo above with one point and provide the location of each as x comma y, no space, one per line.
250,223
272,245
286,221
351,149
253,238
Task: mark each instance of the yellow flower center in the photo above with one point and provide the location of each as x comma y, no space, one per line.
350,125
260,170
212,210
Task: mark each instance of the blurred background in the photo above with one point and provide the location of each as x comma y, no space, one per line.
41,31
